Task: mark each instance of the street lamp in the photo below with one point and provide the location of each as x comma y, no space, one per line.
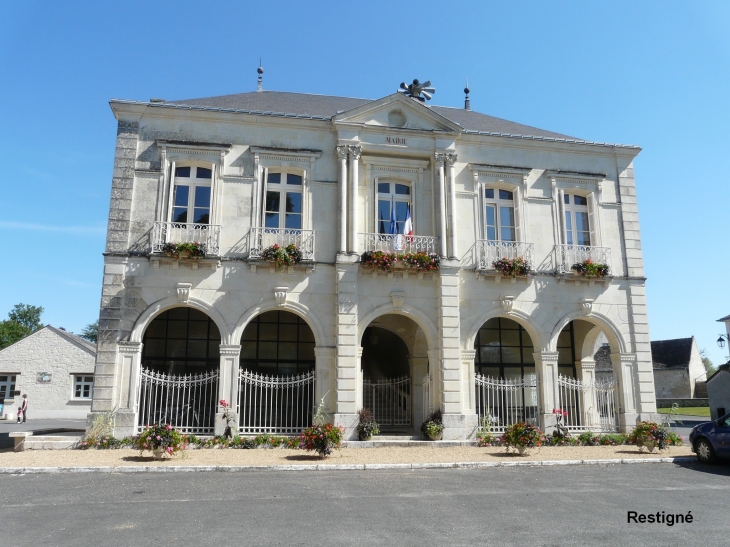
721,340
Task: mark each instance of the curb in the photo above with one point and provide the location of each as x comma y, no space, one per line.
328,467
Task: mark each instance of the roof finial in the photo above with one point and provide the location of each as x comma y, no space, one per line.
467,103
260,70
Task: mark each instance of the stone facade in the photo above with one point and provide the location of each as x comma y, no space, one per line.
343,157
60,356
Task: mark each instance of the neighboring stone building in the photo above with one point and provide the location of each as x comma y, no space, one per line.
677,368
339,177
54,368
718,391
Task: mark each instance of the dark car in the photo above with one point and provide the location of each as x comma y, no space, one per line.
711,440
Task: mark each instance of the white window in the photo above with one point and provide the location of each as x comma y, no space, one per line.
393,196
499,215
283,204
191,198
7,386
82,386
577,226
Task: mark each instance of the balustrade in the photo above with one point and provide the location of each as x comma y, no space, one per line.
398,243
489,251
567,255
180,232
262,238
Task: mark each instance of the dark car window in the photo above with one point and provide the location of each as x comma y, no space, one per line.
725,422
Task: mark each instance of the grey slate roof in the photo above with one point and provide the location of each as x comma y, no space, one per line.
327,106
671,353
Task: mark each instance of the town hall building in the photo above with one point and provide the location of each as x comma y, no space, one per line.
278,249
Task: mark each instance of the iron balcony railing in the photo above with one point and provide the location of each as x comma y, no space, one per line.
180,232
567,255
398,243
263,238
489,251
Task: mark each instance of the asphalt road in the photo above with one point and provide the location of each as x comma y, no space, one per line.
560,506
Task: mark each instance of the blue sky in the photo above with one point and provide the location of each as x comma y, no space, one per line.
648,73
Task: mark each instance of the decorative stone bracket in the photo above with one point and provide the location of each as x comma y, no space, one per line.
183,292
399,299
586,305
507,303
280,294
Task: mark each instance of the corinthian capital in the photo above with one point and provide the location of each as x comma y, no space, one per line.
355,151
450,158
440,157
342,151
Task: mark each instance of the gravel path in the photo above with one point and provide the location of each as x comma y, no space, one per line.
280,456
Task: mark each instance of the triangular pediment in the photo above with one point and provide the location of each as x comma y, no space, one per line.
399,112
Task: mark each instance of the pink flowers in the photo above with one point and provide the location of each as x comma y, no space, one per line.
223,403
560,412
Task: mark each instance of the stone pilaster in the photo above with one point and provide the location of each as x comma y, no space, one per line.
441,203
349,381
546,365
228,385
452,251
342,212
589,403
639,319
326,371
624,366
120,206
630,222
355,152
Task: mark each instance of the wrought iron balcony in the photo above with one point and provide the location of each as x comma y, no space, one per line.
488,251
567,255
262,238
398,243
178,232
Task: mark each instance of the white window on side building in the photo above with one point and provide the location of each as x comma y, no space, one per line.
7,386
283,202
499,215
577,224
83,385
191,199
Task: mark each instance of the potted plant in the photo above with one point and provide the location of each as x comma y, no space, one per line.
387,261
522,436
433,427
161,440
422,261
227,418
320,436
560,430
514,267
367,426
588,268
649,435
282,256
184,250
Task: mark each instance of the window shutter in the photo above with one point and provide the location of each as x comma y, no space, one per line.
516,203
593,220
171,192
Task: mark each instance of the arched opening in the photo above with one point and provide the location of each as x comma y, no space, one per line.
276,379
395,359
180,373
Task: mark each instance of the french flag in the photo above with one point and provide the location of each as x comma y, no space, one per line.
408,225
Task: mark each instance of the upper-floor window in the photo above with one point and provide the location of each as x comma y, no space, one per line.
499,215
283,201
394,207
7,386
191,195
577,228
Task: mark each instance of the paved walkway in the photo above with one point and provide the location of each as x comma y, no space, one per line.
76,427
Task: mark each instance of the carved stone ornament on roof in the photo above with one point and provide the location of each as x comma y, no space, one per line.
183,292
507,303
280,294
342,151
355,151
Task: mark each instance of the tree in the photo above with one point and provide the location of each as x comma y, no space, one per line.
27,316
11,332
91,331
709,365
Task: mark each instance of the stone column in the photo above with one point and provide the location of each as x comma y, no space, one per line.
349,388
452,251
342,212
546,365
325,368
419,373
624,365
355,152
435,372
228,385
589,401
467,367
129,361
441,204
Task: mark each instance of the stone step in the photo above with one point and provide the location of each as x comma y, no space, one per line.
51,442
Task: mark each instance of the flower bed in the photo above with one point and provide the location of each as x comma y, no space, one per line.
588,268
184,250
282,256
387,261
515,267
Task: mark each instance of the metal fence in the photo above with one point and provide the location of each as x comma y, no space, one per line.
567,255
398,243
591,406
506,401
187,402
263,238
491,251
389,400
182,232
274,404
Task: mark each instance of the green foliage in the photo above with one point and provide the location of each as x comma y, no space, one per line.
22,321
193,249
515,267
282,257
163,437
91,332
367,426
588,268
523,434
321,438
433,426
105,443
386,261
649,433
11,332
709,365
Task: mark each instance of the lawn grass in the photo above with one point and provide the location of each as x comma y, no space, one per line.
688,411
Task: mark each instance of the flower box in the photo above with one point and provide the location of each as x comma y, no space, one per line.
512,267
192,250
282,257
588,268
388,262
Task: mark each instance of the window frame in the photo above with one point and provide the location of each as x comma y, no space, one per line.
571,210
283,188
11,384
79,380
517,198
497,203
402,198
192,183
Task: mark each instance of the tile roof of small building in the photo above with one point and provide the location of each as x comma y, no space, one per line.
327,106
671,353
